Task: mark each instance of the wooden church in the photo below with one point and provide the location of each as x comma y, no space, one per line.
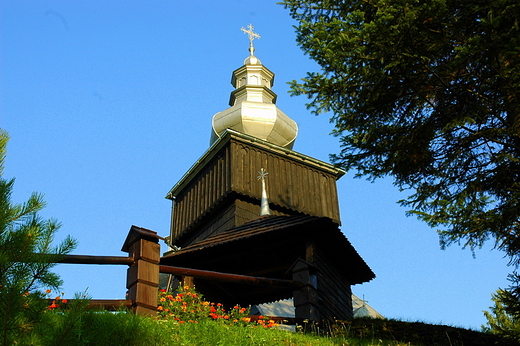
253,206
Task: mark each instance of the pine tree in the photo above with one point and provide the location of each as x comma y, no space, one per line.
499,320
26,257
426,92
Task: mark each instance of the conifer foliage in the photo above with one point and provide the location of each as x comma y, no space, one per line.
500,319
26,257
427,92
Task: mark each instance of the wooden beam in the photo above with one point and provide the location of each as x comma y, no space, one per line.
87,259
206,274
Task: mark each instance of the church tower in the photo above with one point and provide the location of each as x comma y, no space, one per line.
251,195
253,108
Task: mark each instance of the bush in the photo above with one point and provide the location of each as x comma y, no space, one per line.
26,257
187,305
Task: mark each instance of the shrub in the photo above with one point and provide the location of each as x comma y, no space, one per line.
189,306
26,258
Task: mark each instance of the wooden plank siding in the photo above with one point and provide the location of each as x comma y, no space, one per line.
333,289
227,175
206,191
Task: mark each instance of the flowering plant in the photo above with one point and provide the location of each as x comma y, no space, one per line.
57,302
187,305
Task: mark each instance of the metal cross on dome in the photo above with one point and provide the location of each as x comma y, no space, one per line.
262,174
264,202
252,35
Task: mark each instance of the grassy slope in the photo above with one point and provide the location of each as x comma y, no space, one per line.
125,329
418,333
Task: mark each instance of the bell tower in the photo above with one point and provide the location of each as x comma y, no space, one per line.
251,195
221,190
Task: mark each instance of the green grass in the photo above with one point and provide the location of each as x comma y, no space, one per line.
78,327
106,328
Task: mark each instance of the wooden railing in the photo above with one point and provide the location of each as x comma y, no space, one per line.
142,282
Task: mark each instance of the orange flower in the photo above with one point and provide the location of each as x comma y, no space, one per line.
48,291
159,308
64,301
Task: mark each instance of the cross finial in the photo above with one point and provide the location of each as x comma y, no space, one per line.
262,174
264,202
363,300
252,35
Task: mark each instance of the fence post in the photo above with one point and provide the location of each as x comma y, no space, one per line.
142,280
306,298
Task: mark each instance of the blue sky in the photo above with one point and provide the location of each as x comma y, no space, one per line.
108,103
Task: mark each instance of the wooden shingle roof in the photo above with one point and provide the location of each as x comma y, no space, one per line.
275,239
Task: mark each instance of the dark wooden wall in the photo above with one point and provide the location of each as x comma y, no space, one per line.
333,289
222,190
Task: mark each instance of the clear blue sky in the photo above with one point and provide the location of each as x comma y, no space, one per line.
108,103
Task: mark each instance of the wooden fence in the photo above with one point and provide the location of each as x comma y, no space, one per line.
142,246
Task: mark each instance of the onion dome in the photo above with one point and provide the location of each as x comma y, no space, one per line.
253,110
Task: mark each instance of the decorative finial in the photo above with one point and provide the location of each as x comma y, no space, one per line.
252,35
363,300
264,202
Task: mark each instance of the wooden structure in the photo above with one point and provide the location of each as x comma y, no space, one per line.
143,275
216,207
221,190
304,248
216,225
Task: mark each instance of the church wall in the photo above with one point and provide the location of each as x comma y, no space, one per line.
230,174
205,192
334,291
211,225
291,182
